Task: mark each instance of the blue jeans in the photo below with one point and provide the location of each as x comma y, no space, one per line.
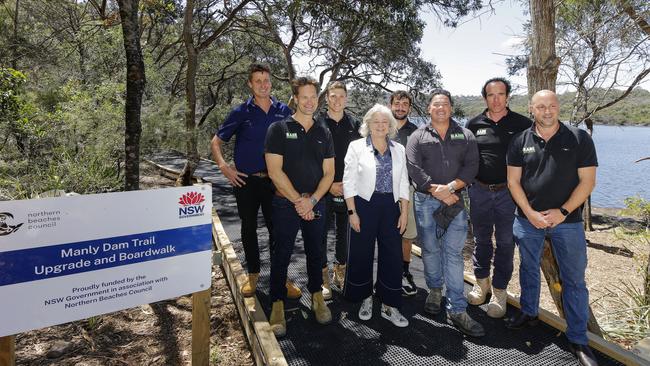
442,258
492,213
570,250
287,222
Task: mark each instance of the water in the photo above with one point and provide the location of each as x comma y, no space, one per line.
618,176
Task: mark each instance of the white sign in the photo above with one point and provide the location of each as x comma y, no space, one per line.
70,258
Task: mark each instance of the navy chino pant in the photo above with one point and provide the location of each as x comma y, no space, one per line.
340,219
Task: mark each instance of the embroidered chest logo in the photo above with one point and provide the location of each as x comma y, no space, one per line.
292,135
481,132
528,150
457,136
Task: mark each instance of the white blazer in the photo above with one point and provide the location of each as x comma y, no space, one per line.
360,173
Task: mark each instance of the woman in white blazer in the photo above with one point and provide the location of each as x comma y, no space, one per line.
375,188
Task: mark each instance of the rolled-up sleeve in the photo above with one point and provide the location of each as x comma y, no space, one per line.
414,162
350,172
468,171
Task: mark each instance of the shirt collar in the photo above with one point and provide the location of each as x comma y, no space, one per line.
251,102
369,141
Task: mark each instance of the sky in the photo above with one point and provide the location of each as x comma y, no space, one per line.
474,52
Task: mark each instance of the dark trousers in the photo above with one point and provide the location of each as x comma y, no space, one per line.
378,220
492,213
255,193
340,219
287,223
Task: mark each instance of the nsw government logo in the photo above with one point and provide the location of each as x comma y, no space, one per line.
191,205
5,227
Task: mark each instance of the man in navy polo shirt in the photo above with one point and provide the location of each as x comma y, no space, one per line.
251,184
300,156
551,173
492,210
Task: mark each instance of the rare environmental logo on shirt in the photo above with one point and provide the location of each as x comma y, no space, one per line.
5,227
292,135
457,136
481,132
191,205
528,150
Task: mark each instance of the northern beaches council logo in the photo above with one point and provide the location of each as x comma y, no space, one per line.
192,205
5,228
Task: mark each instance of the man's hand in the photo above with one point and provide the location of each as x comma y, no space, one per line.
336,189
451,200
233,175
440,191
304,207
355,223
402,221
538,219
554,217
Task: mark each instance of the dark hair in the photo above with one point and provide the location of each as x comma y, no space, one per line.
255,67
401,94
444,92
302,81
336,85
496,80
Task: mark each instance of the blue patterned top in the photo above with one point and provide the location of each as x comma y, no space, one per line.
384,169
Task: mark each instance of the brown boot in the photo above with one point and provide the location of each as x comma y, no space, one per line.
293,291
338,277
248,288
327,290
480,291
321,311
277,322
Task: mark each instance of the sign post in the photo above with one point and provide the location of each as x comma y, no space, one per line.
8,351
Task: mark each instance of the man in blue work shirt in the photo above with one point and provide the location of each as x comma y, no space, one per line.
251,183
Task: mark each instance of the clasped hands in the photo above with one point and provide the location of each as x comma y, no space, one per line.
304,208
546,219
441,193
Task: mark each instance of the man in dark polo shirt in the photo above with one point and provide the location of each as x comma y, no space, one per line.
442,158
400,106
551,172
492,210
251,184
344,129
299,154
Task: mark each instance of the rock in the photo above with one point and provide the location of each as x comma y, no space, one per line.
642,349
58,349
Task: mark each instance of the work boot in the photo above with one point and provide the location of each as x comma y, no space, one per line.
432,303
293,291
338,277
583,354
479,292
249,287
321,311
498,302
277,322
327,290
465,324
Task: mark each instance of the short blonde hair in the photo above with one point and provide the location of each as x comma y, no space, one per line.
364,130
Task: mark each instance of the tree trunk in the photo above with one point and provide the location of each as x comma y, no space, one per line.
135,82
185,178
16,52
543,64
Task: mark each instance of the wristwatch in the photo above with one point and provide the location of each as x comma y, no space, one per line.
350,212
564,211
452,187
313,201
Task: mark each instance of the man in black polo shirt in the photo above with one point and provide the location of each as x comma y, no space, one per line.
344,129
400,106
492,210
551,172
300,158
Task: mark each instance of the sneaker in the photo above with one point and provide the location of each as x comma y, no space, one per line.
465,324
433,301
394,316
365,312
408,286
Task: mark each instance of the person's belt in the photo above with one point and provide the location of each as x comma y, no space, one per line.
493,187
262,174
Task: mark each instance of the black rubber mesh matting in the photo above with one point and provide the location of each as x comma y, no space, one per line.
428,340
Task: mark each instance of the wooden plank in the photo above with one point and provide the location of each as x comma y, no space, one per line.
264,346
201,328
8,351
596,342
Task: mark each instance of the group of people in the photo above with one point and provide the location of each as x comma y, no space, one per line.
383,182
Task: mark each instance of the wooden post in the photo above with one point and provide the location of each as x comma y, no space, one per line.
552,275
8,351
201,328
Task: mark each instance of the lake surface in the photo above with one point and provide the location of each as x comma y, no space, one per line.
618,176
